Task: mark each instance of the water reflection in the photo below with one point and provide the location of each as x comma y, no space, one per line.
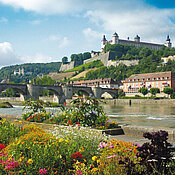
143,115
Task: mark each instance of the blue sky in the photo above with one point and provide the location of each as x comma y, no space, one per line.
47,30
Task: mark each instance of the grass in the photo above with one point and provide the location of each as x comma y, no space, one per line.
94,64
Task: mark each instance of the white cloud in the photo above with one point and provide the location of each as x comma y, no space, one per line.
35,22
8,55
3,19
47,6
63,43
38,58
60,41
151,23
91,34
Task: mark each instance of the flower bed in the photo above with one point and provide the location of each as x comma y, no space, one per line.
79,151
84,112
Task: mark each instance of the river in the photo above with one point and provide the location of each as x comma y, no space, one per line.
143,115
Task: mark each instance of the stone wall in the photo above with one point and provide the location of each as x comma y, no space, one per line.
126,62
108,60
68,66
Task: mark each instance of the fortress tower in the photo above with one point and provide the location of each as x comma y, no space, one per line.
103,42
136,42
115,38
168,42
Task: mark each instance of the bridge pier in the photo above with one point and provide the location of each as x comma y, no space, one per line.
97,92
67,91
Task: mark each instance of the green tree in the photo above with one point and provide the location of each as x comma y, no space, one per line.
154,91
64,60
168,90
143,90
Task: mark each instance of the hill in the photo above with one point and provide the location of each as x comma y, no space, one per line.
31,70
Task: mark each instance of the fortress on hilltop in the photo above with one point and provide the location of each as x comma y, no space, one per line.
136,42
108,59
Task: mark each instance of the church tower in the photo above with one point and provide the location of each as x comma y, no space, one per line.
115,38
103,42
168,42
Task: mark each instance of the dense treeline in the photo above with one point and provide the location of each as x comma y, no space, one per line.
127,52
149,61
32,68
80,56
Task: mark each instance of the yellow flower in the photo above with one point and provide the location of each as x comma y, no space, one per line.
67,141
98,161
61,140
94,169
20,122
21,159
94,158
81,149
30,161
12,124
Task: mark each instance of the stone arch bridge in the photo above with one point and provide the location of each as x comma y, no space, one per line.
61,93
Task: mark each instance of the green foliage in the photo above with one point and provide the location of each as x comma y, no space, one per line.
168,90
8,132
85,112
10,93
154,91
121,93
45,80
34,68
94,64
149,62
64,60
35,111
80,57
143,90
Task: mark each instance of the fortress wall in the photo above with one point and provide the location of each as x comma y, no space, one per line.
104,58
68,66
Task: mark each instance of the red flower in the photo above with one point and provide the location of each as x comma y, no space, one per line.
64,104
2,146
76,155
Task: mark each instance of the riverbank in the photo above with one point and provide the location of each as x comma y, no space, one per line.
131,133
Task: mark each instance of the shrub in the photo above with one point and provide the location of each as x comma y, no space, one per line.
86,112
8,132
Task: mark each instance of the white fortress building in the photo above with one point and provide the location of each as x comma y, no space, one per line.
136,42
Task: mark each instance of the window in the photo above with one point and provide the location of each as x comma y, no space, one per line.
162,78
143,79
166,78
133,80
158,78
153,78
130,80
148,79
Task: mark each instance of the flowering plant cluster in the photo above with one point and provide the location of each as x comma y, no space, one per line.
81,151
85,112
36,117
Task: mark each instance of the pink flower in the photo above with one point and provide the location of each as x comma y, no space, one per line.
111,146
102,145
111,156
79,172
43,171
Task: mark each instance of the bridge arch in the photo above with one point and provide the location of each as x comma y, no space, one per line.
21,89
109,93
57,95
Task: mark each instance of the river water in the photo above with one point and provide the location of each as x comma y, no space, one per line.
143,115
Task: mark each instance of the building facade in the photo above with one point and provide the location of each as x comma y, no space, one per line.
136,42
103,83
149,80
